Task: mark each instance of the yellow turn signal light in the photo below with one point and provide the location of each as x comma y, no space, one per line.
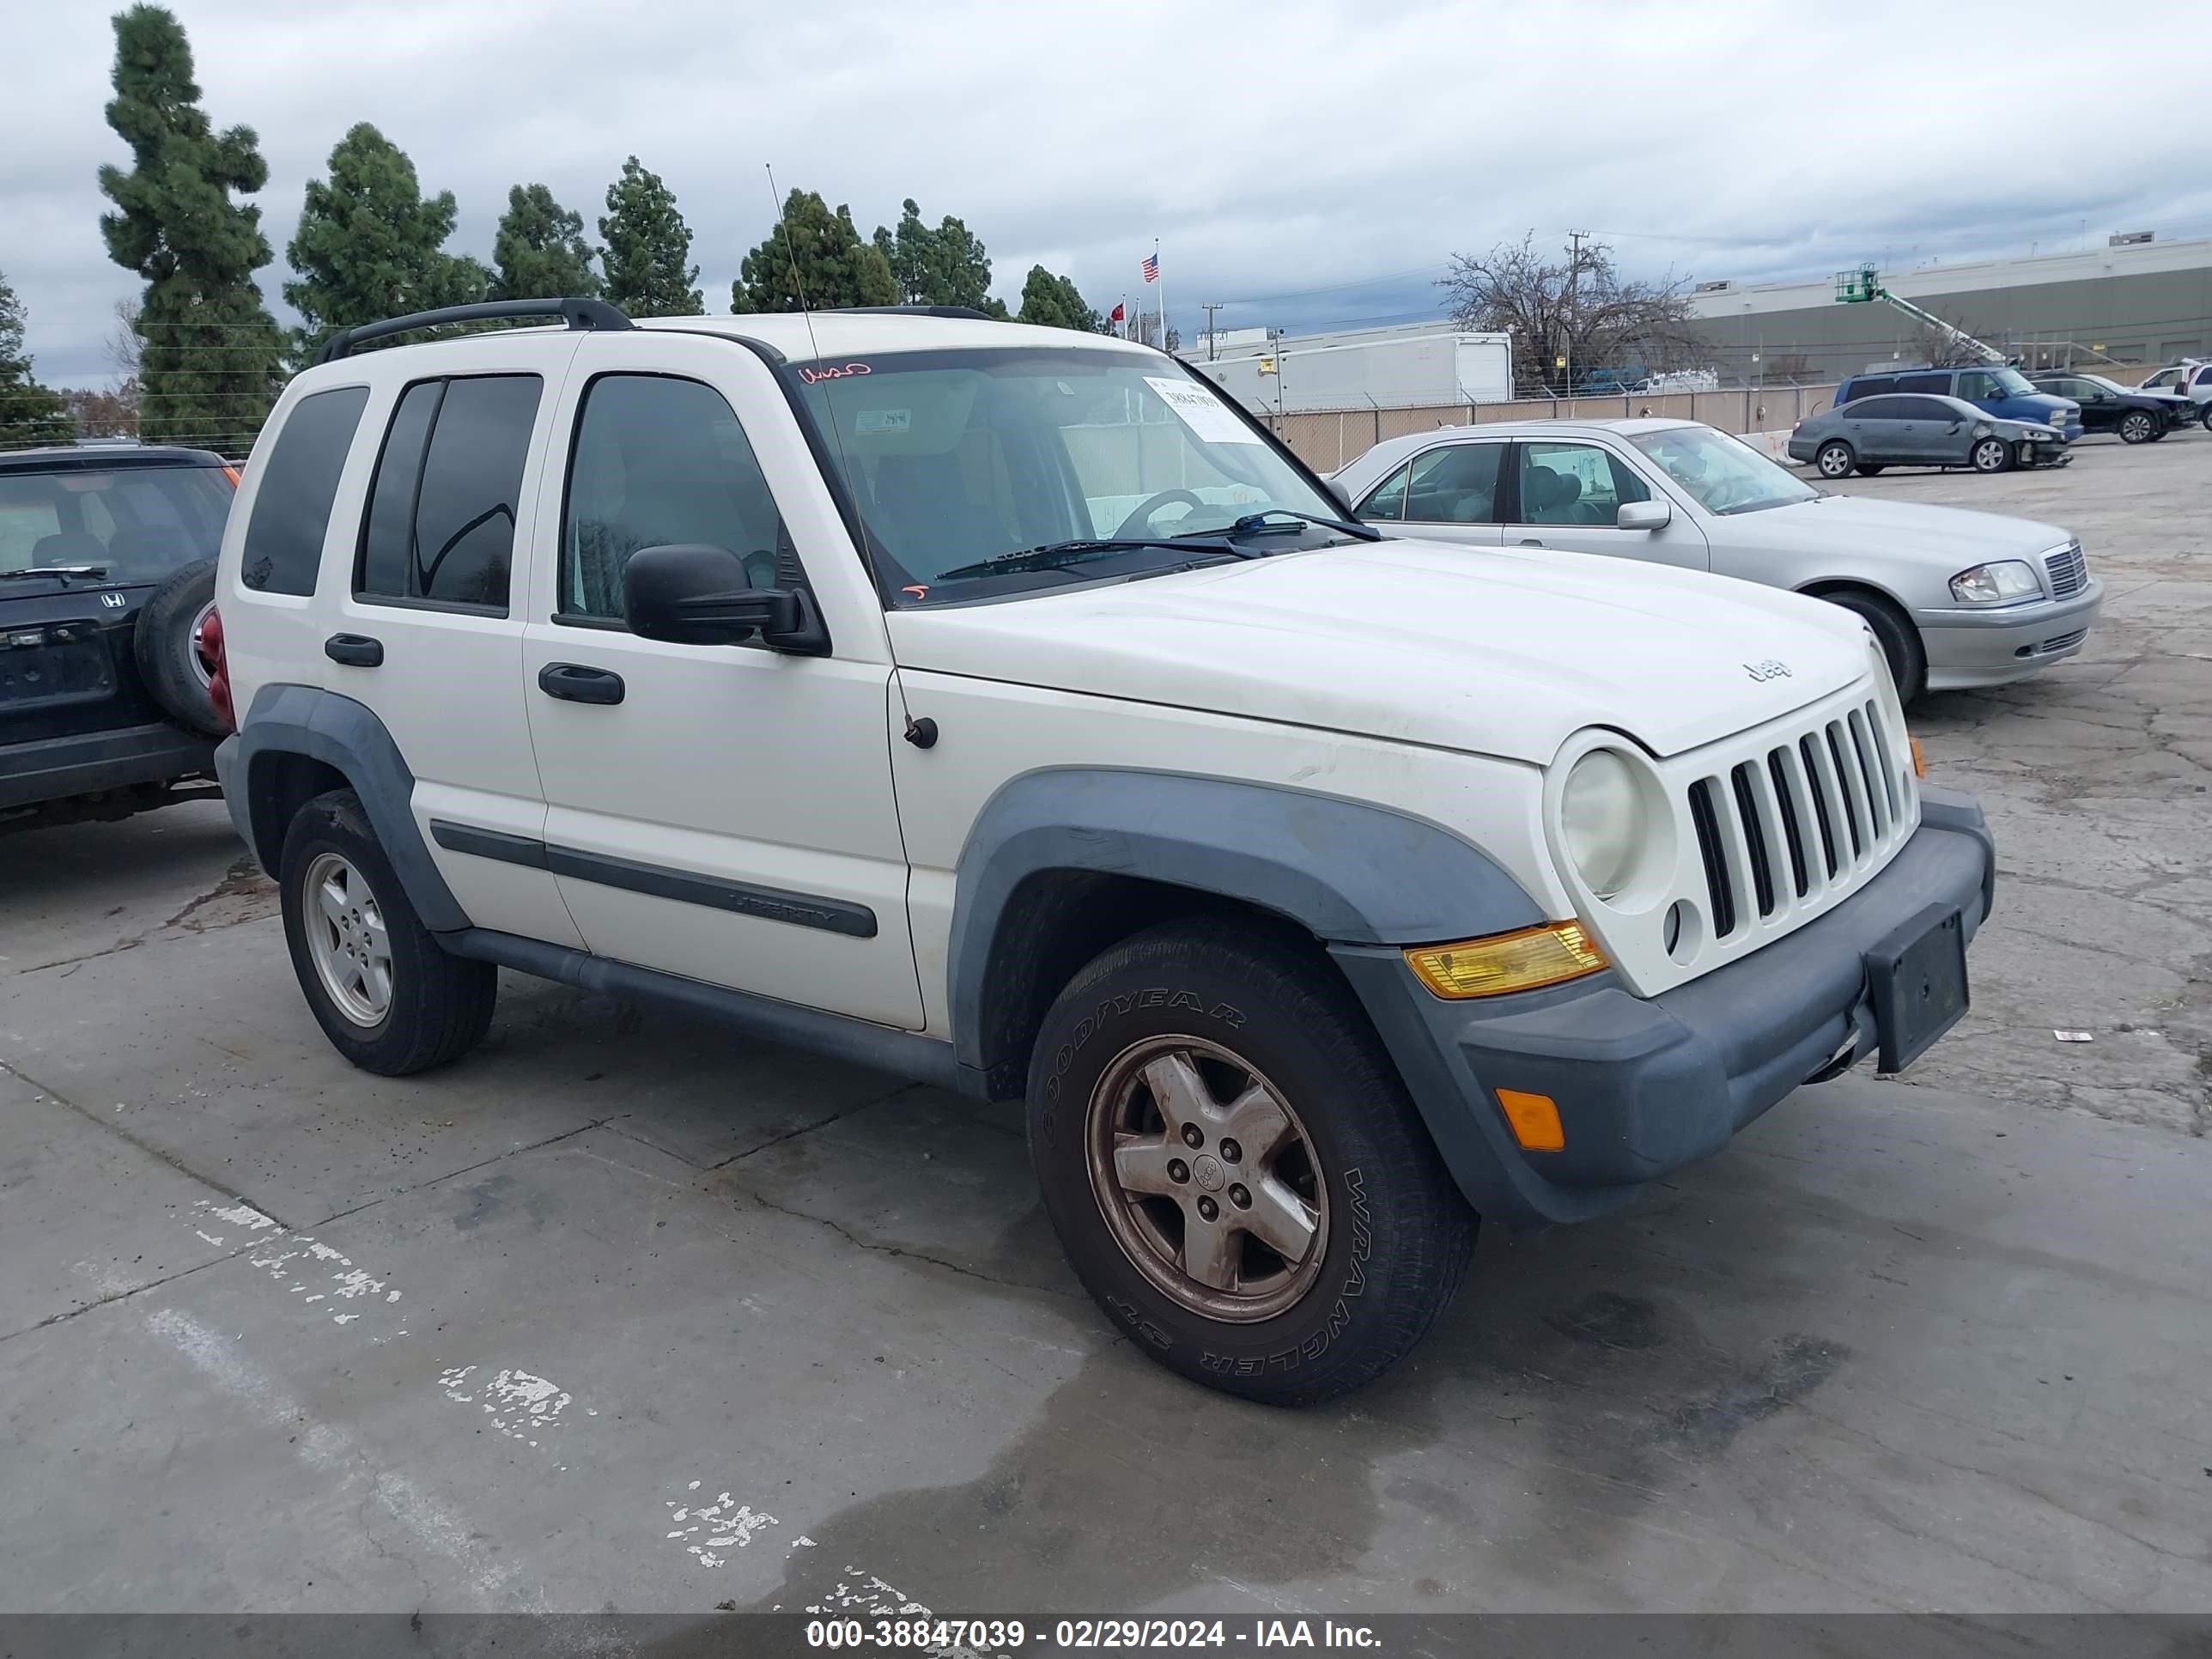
1919,760
1520,961
1536,1121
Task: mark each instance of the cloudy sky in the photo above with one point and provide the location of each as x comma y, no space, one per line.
1310,163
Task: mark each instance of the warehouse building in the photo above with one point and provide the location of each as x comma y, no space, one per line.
2135,300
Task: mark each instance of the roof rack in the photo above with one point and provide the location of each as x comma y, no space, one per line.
969,311
577,314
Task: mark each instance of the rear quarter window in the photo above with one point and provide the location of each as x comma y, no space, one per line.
300,480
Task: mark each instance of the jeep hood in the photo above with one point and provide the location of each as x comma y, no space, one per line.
1489,651
1947,539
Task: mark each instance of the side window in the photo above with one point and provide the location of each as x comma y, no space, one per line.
1926,409
300,480
439,528
1974,385
659,461
1872,386
1940,384
1574,483
1456,485
1386,502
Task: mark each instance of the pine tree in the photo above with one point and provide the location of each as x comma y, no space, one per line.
834,267
210,365
30,414
648,247
371,245
540,250
1052,302
945,267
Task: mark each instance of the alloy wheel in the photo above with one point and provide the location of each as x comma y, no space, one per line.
347,940
1206,1179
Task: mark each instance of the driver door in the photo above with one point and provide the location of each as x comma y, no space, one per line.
1566,495
722,813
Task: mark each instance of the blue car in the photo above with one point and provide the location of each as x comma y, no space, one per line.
2004,392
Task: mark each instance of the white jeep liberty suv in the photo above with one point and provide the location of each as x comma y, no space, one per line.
1000,707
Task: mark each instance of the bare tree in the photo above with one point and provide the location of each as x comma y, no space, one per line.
1951,345
124,341
1579,307
111,413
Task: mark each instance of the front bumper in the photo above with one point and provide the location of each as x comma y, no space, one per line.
1969,648
1646,1085
54,768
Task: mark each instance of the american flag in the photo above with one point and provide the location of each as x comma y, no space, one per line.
1152,267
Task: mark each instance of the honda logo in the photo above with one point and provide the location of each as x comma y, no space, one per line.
113,601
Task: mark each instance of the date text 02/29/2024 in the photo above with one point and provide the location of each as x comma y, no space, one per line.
929,1634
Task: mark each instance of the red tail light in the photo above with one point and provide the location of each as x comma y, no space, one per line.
209,645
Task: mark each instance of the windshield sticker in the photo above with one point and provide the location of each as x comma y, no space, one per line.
834,371
1209,419
881,420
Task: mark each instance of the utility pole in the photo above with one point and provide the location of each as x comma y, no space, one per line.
1211,305
1575,241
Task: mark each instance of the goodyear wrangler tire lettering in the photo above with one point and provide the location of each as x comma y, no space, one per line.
1148,1068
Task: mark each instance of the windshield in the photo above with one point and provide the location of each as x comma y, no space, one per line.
958,457
1724,474
2013,382
136,523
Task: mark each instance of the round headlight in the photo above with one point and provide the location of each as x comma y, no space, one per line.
1601,821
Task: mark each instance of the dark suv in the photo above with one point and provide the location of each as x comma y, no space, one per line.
107,587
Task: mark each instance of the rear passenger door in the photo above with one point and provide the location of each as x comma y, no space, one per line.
722,813
429,634
1566,495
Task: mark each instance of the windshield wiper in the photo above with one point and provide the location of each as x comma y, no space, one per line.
65,571
1055,555
1256,524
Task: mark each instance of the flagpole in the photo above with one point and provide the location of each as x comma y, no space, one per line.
1163,280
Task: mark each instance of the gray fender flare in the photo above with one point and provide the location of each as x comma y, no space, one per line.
1348,872
306,719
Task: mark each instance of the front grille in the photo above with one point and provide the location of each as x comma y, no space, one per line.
2069,571
1805,817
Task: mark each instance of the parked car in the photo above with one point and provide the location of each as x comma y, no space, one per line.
858,678
2136,417
2189,378
106,582
1955,598
2004,392
1870,434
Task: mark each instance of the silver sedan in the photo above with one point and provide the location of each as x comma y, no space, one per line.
1955,598
1919,430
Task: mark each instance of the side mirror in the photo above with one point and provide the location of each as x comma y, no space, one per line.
1644,515
694,594
1343,496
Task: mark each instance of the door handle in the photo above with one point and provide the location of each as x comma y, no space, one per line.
572,682
355,650
1527,541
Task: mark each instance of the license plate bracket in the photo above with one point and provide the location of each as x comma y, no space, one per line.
1917,980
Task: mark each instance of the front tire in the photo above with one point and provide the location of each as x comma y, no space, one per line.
388,996
1894,633
2138,427
1992,455
1834,459
1234,1169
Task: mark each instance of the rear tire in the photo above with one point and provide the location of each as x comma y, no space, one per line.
1150,1066
1898,639
388,996
1992,455
2139,427
1834,459
166,642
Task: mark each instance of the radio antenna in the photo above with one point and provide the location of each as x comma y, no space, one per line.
837,434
